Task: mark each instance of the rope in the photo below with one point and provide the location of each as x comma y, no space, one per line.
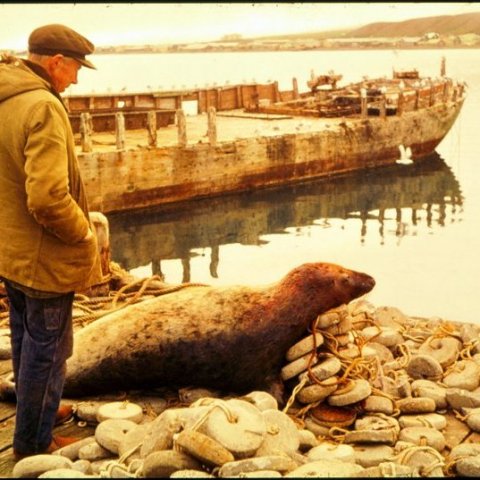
214,403
295,391
131,298
107,470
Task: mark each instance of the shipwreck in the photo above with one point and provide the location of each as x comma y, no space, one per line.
138,150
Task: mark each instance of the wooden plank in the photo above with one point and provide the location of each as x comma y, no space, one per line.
7,461
7,410
5,367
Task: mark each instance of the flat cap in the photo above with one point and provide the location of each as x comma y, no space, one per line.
55,38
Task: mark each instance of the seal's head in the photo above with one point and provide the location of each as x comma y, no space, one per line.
326,285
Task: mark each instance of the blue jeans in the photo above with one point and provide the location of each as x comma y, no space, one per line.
42,340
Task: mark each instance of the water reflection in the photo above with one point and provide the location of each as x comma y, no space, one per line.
422,192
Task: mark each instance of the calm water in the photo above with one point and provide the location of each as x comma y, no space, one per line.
413,228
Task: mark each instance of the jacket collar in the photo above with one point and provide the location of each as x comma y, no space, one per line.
42,73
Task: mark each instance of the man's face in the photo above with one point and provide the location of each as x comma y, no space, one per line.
63,71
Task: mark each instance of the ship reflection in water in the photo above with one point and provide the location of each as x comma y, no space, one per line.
426,191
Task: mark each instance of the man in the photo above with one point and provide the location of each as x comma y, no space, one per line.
47,246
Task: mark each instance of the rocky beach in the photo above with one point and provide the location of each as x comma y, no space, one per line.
368,392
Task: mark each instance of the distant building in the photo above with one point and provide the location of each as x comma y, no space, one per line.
431,36
232,37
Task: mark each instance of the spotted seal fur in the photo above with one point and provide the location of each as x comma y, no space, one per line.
225,337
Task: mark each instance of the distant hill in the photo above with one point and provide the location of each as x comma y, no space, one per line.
443,25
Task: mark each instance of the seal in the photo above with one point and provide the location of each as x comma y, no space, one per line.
226,337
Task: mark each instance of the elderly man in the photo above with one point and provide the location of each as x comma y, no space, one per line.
47,246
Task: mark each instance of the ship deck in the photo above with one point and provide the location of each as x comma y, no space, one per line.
232,125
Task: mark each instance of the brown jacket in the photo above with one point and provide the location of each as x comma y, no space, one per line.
43,207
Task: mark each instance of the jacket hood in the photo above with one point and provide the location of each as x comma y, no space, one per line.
17,76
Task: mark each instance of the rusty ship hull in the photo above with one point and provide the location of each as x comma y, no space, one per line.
263,144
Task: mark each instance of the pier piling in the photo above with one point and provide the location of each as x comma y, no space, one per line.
182,128
212,126
86,129
120,130
152,128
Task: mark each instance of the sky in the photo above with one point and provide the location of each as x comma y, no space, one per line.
157,23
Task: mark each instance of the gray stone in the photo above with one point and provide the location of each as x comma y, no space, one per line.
375,349
332,317
315,428
423,436
473,419
416,405
468,467
368,455
190,395
133,438
308,440
100,465
160,432
331,451
164,462
37,464
426,459
282,434
341,328
93,451
262,474
315,393
83,466
386,336
152,406
242,436
121,411
425,367
87,411
109,433
389,317
465,450
388,437
203,448
465,374
64,473
71,451
445,349
378,404
325,469
262,400
324,369
279,463
191,474
388,470
297,366
433,420
429,389
304,346
458,398
342,397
